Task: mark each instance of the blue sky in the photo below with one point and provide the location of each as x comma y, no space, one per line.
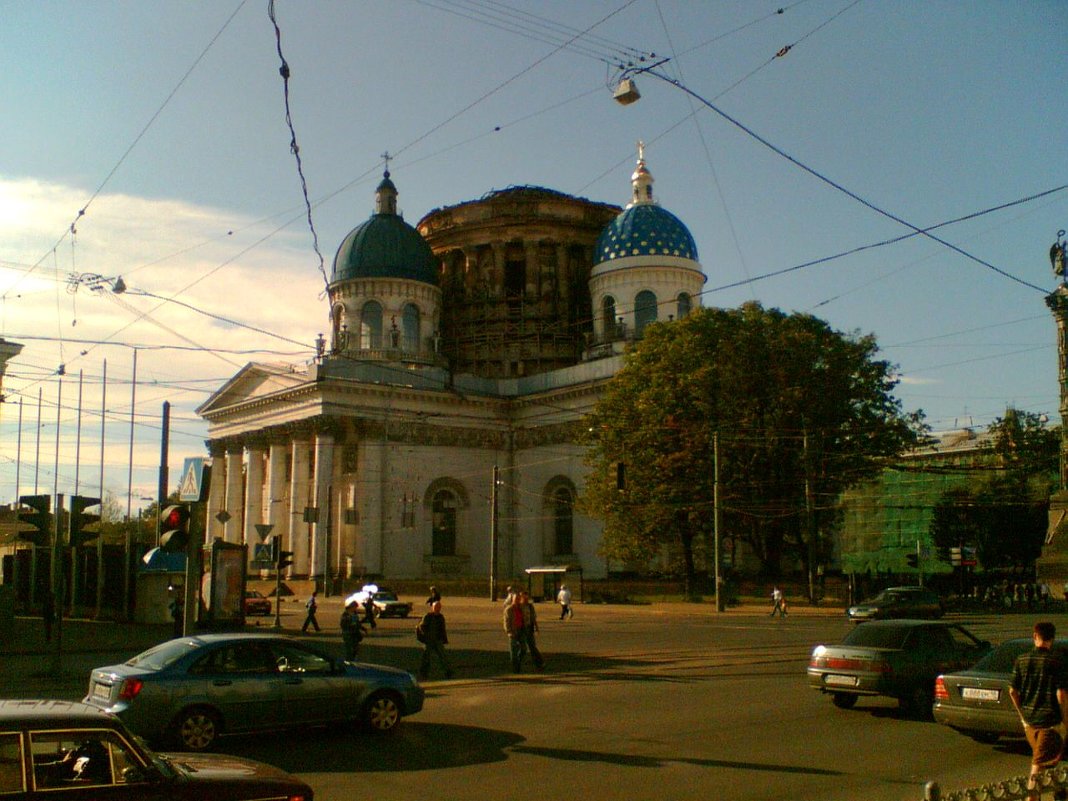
166,123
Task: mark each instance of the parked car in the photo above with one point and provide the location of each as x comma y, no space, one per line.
896,658
64,749
256,603
976,701
388,605
911,602
191,690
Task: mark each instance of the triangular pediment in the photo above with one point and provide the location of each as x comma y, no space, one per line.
252,382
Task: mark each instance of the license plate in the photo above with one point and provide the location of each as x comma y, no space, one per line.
840,681
979,694
101,691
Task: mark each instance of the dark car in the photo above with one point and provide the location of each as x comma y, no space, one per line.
67,750
911,602
256,603
976,701
191,690
896,658
387,604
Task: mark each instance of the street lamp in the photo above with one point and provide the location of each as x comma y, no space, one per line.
1058,255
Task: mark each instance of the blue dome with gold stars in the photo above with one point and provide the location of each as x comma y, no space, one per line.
645,230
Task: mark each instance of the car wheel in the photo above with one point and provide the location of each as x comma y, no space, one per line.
382,712
196,729
844,700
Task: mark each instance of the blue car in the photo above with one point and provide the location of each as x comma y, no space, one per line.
191,690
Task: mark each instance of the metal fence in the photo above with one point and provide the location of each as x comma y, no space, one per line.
1052,783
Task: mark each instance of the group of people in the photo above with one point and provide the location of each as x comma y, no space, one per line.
520,624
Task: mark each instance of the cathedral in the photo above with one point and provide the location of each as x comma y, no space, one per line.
439,421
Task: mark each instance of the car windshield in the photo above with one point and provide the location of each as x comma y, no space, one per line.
253,594
1002,658
877,636
163,655
385,596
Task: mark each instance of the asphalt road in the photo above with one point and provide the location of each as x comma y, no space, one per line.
637,702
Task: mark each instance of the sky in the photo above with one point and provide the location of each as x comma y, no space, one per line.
149,140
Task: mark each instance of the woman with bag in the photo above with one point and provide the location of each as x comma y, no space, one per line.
431,632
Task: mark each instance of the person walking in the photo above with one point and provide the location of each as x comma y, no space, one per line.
434,597
779,602
432,634
311,606
513,627
1039,691
351,630
369,610
564,599
530,629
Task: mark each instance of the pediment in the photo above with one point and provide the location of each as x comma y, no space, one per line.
252,382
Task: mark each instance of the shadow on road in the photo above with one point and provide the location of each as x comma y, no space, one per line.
411,746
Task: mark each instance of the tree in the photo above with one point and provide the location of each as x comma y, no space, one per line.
1004,514
786,397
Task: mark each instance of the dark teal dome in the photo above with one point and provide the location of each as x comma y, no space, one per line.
645,229
385,246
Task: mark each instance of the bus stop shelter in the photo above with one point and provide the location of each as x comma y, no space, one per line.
550,577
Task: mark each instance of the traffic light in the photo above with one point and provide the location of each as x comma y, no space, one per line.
913,560
282,559
174,528
80,520
40,519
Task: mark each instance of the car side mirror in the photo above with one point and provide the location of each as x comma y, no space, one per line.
133,775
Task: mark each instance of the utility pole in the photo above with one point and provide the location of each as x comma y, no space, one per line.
715,522
494,534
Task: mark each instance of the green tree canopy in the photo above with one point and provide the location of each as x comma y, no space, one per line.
786,397
1004,513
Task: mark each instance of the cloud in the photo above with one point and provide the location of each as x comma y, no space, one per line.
194,277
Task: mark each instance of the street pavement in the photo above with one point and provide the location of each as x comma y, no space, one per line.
31,666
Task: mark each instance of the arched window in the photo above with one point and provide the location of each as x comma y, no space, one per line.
371,325
644,311
685,305
443,520
563,522
410,328
608,317
337,314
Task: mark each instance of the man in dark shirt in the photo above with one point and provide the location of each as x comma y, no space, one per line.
1039,692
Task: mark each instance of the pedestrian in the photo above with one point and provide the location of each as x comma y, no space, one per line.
1039,691
48,615
513,627
369,610
177,615
351,630
431,633
530,629
564,599
778,601
311,606
509,595
434,597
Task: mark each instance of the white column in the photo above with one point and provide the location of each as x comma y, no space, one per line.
324,475
253,497
234,491
298,493
277,492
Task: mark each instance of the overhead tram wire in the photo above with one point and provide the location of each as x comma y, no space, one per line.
540,29
825,179
295,148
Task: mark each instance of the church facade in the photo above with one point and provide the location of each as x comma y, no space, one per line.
447,402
